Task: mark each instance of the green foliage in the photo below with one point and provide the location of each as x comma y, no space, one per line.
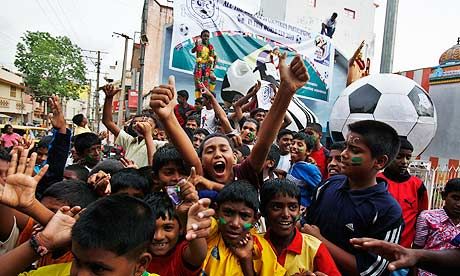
51,65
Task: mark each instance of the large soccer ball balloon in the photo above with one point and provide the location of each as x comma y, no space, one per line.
390,98
239,78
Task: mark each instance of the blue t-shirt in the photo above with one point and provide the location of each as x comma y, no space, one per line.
307,176
342,214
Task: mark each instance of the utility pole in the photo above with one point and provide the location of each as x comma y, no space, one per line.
389,35
121,99
144,40
88,110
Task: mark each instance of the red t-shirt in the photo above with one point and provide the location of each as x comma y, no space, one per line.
180,113
412,196
320,157
173,264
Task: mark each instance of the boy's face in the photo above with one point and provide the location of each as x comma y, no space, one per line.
104,262
181,99
452,204
42,155
235,220
192,124
248,132
333,167
218,159
402,161
299,151
205,37
284,144
92,156
357,161
317,136
170,174
260,116
159,134
198,138
281,215
166,236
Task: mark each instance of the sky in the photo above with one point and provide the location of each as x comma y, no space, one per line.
425,28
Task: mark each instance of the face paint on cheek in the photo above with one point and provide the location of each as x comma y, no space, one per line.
251,136
222,221
356,161
247,226
297,218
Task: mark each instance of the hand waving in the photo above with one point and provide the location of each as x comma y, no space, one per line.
162,99
18,191
57,120
293,76
110,90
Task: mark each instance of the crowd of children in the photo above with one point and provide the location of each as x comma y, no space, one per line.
212,190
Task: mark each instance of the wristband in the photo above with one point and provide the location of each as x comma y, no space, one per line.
38,245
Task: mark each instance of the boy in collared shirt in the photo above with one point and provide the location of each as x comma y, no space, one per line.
296,252
357,204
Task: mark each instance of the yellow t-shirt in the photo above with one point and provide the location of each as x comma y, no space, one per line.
221,261
59,270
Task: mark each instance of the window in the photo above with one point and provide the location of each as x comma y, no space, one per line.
13,91
350,13
312,3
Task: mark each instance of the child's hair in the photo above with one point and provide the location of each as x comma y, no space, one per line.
81,172
161,205
283,132
338,146
453,185
77,119
71,192
255,111
5,155
45,142
183,93
309,141
5,127
239,191
254,121
213,135
274,155
244,149
204,31
194,118
380,138
109,166
164,155
159,125
201,131
277,186
129,178
405,144
316,127
120,224
199,100
85,141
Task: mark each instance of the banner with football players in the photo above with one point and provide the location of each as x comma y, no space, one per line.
236,34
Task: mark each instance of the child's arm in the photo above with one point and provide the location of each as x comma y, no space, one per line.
146,130
422,230
293,77
244,253
220,113
345,260
162,102
198,228
238,115
18,191
107,120
56,234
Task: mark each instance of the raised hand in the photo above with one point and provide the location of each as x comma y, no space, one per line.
128,163
253,91
293,76
18,191
57,120
188,194
199,219
244,249
144,128
110,90
162,99
57,233
100,183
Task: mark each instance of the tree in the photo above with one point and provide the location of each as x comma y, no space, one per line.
51,66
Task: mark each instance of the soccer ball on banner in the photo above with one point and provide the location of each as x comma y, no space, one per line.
183,29
240,18
390,98
298,39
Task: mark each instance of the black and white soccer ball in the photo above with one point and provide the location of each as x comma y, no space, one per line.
240,18
298,39
183,29
390,98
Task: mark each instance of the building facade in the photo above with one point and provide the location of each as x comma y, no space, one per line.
355,21
16,106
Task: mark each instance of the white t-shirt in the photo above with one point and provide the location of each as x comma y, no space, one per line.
208,120
329,23
285,163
